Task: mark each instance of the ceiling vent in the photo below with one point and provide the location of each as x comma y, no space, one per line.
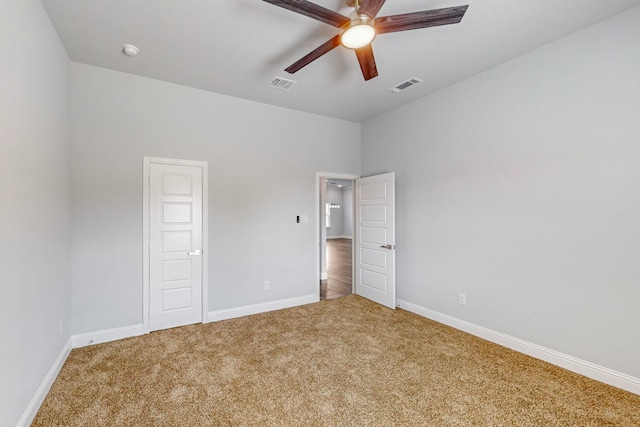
282,83
405,85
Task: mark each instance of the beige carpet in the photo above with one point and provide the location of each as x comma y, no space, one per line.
343,362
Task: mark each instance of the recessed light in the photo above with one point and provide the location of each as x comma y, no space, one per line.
130,50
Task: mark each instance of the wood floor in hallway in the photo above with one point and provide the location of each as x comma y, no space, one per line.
338,283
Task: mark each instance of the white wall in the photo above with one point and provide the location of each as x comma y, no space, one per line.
342,217
34,203
520,188
262,170
335,195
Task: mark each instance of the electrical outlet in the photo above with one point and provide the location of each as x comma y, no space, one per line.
267,285
462,299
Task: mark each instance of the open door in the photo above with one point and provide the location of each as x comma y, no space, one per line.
374,242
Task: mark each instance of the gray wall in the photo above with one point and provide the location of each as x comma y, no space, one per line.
262,170
520,188
34,199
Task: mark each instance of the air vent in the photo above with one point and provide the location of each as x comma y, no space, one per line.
405,85
282,83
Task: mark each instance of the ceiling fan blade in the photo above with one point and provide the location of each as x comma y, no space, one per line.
312,10
370,7
314,54
367,62
426,18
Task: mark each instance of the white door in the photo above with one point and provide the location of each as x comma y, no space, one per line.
175,245
375,259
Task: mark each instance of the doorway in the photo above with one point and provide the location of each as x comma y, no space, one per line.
339,269
336,235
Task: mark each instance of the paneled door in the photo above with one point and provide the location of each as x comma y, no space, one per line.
175,245
375,260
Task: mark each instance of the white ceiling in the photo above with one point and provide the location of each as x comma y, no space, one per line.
236,47
341,183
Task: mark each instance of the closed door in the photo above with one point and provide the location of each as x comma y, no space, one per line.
175,246
375,260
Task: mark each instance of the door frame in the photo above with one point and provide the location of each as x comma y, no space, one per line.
319,176
146,285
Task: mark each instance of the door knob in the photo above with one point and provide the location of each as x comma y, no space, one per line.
388,246
196,252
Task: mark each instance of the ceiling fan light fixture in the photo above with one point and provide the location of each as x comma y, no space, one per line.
358,33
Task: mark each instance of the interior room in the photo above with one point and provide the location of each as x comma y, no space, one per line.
511,129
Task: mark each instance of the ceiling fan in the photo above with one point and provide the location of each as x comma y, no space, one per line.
359,29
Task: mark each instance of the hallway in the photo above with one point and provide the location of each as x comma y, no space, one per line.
339,273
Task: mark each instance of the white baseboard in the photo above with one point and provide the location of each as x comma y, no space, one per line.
98,337
33,407
232,313
323,275
339,237
579,366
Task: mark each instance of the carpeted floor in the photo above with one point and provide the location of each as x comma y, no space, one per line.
343,362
